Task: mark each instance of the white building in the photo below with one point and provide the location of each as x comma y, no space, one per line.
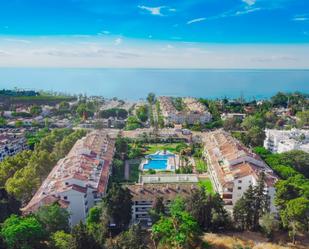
11,144
232,168
193,112
160,185
79,180
278,141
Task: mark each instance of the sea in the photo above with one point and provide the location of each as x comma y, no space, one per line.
135,84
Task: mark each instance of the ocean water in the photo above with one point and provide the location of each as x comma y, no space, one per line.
133,84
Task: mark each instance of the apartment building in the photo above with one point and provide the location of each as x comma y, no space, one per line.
232,168
160,185
79,180
193,112
279,141
11,144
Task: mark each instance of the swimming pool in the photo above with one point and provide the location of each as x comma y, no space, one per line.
158,161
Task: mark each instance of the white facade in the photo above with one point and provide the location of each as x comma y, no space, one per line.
79,180
11,144
193,112
232,168
279,141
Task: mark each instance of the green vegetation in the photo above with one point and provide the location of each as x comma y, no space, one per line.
3,122
207,185
177,230
114,112
23,173
254,203
24,233
142,113
133,123
292,192
200,165
178,103
152,148
134,172
34,138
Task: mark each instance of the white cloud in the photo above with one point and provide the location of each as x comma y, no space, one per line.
104,32
17,40
152,10
249,2
301,18
196,20
102,52
246,11
118,41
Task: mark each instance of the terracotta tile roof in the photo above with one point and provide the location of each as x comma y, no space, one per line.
89,162
149,192
231,160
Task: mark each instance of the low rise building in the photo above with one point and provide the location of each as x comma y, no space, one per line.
166,186
233,168
11,143
79,180
193,112
279,141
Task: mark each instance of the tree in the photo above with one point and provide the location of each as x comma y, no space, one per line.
119,205
61,240
298,159
296,216
280,100
133,123
243,211
85,110
97,223
157,209
134,238
231,124
151,98
64,106
142,113
35,110
178,230
269,224
22,232
256,136
303,118
82,239
2,122
261,200
19,124
251,206
253,121
53,218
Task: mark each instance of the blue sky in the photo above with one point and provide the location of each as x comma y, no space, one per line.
273,33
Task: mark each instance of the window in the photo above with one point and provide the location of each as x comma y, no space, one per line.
65,197
66,183
239,188
239,181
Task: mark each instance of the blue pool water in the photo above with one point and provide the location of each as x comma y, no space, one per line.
157,162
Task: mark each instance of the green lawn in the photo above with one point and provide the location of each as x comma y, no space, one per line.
200,165
207,185
152,148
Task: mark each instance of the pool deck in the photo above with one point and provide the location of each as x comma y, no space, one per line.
171,161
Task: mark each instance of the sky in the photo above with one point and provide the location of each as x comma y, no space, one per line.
155,33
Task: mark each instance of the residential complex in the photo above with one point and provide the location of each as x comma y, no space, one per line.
11,143
232,167
166,186
79,180
192,112
278,141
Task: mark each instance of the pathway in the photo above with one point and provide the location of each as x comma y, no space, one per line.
126,170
